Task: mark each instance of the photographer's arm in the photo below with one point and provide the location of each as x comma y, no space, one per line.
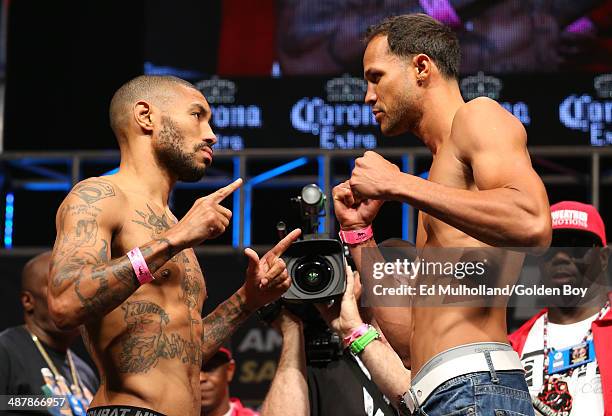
288,394
384,365
386,369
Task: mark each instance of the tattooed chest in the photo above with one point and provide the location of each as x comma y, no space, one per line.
182,269
157,333
155,221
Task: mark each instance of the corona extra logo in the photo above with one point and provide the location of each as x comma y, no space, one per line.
480,85
217,91
603,85
585,113
346,88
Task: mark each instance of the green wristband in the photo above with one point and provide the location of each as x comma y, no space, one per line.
360,343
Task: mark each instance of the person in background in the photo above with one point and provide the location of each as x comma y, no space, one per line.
216,375
35,358
580,383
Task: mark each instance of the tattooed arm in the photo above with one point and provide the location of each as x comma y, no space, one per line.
220,324
84,284
266,280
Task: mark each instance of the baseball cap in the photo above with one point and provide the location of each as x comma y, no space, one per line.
572,215
222,356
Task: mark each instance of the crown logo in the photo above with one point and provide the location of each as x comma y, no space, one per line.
480,85
217,91
346,88
603,85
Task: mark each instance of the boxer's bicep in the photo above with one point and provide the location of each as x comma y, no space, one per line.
493,145
506,165
84,231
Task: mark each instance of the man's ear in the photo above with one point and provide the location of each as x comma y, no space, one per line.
231,369
422,66
143,115
27,301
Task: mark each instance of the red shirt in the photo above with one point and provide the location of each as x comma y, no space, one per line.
239,410
602,337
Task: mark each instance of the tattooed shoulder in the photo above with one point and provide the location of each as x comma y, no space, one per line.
94,189
83,203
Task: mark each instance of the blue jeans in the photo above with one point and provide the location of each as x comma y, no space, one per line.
503,393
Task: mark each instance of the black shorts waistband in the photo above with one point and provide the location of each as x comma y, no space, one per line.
121,411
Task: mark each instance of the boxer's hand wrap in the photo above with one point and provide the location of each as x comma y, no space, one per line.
143,274
356,236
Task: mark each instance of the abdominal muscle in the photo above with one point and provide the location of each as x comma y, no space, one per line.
439,329
436,329
148,354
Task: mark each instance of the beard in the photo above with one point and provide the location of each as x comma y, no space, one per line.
405,116
169,153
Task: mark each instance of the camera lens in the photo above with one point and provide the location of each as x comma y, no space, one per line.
312,274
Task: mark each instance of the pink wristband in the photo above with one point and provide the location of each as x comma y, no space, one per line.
356,236
143,274
357,332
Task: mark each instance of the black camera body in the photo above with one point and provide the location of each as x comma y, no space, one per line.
316,267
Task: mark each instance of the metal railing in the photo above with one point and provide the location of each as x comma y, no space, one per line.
59,171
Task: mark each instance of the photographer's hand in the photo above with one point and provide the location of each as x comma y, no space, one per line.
383,363
343,317
287,324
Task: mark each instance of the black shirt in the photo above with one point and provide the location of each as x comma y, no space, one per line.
21,362
340,387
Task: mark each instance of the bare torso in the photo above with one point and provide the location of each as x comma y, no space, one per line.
148,350
436,329
431,330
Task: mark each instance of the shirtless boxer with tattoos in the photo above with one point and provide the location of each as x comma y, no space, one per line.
145,331
482,191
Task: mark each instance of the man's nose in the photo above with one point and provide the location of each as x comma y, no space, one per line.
209,137
210,140
370,97
561,257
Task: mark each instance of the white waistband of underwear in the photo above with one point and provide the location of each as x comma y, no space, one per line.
426,383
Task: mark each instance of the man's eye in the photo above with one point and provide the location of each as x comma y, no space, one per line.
197,115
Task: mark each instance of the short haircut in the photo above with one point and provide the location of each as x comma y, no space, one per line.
411,34
29,276
145,87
